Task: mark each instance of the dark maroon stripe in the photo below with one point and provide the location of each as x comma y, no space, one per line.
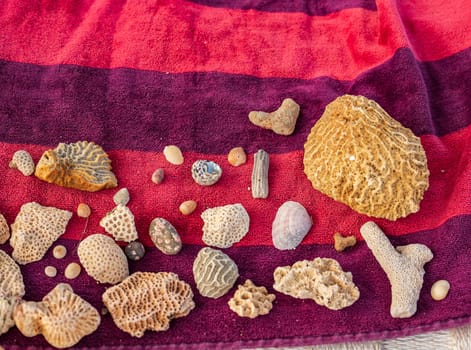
292,321
207,112
312,8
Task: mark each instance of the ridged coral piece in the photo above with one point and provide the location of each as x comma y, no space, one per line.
292,223
103,259
206,172
260,187
22,161
225,225
82,165
4,230
120,224
359,155
321,280
62,317
35,229
215,272
251,301
148,301
282,121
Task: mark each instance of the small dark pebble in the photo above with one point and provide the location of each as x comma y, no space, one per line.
135,251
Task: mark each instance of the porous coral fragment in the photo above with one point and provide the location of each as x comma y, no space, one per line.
359,155
22,161
251,301
120,224
4,230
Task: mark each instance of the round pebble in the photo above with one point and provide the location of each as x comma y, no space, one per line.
173,154
83,210
135,251
59,251
50,271
72,271
187,207
158,176
121,197
440,290
237,156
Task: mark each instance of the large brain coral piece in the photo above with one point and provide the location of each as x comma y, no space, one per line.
251,301
225,225
35,229
82,165
103,259
321,280
148,301
120,224
62,317
359,155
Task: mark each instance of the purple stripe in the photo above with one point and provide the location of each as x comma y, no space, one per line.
311,8
292,321
207,112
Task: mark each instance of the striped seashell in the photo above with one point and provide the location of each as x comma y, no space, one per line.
205,172
292,223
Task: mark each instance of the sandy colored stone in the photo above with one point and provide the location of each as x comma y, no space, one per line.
187,207
439,290
50,271
83,210
72,271
237,156
173,155
59,251
121,197
158,176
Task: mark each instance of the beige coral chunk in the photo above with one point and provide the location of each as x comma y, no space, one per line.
62,317
282,121
404,267
4,230
148,301
359,155
103,259
7,306
343,242
322,280
35,229
251,301
22,161
120,224
82,165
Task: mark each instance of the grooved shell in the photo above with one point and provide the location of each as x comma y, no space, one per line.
23,162
225,225
206,172
292,223
165,236
82,165
4,230
148,301
35,229
120,224
103,259
359,155
215,272
62,317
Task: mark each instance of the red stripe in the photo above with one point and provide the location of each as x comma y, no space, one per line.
448,196
178,36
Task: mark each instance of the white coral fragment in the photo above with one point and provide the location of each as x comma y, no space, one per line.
404,267
4,230
22,161
251,301
321,280
120,224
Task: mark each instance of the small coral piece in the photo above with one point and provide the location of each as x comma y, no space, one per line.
62,317
343,242
23,162
321,280
165,236
261,163
225,225
251,301
215,272
403,266
82,165
148,301
35,229
292,223
120,224
282,121
359,155
103,259
237,156
4,230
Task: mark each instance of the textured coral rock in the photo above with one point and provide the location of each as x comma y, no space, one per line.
82,165
4,230
120,224
23,162
292,223
282,121
215,272
359,155
260,186
148,301
62,317
225,225
103,259
35,229
321,280
165,236
251,301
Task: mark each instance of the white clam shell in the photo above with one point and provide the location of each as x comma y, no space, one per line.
292,223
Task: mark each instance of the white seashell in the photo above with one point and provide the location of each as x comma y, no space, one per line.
205,172
292,223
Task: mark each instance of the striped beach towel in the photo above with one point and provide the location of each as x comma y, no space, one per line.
134,76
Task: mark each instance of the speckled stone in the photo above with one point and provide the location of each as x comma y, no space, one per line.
135,251
165,236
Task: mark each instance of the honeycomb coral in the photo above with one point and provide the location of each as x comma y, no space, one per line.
120,224
321,280
148,301
23,162
4,230
82,165
62,317
358,155
225,225
103,259
35,229
251,301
